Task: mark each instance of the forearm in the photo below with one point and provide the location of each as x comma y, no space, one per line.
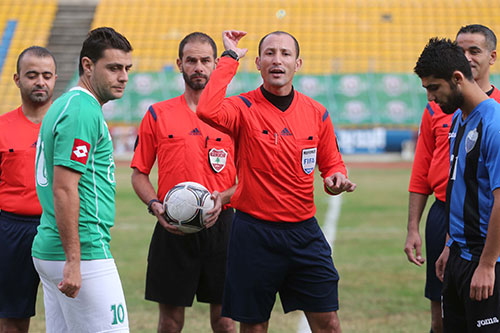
491,250
67,211
416,207
143,187
227,194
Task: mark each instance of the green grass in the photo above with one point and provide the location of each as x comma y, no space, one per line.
379,290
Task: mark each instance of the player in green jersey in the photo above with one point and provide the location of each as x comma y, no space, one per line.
76,187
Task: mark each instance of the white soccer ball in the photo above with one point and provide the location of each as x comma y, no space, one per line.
186,205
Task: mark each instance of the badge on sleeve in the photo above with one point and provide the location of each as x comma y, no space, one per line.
309,159
80,152
217,159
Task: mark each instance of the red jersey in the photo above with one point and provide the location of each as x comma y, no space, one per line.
187,148
18,137
432,155
276,151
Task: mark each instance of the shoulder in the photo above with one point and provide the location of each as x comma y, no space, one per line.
160,108
311,104
9,117
495,94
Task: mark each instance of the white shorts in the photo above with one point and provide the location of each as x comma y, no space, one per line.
100,304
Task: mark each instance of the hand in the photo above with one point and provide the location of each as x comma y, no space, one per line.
159,212
338,183
213,214
483,282
414,242
230,38
72,279
441,263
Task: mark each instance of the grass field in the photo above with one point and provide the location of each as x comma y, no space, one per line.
379,290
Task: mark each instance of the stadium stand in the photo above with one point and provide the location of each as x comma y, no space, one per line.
22,24
342,36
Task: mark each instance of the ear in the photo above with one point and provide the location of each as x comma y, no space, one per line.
298,64
458,77
257,63
216,62
179,64
16,79
88,65
493,57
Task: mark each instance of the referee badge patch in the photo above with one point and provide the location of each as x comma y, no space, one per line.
309,159
217,159
470,140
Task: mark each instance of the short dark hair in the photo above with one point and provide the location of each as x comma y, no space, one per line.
489,35
278,32
101,39
440,58
197,37
37,51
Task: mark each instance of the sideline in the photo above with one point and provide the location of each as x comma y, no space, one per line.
330,231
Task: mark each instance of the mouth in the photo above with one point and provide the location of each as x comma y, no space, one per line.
277,72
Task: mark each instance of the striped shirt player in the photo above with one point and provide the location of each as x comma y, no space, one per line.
474,175
430,175
75,135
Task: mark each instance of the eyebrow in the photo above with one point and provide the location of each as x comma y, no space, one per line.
35,72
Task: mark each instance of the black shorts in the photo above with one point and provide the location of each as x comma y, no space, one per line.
435,237
265,258
460,312
18,277
180,267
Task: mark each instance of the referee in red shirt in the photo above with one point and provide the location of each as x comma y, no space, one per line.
182,266
19,207
280,135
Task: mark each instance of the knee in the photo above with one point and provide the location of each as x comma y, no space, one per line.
14,325
170,325
223,325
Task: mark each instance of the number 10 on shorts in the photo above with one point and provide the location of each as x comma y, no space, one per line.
118,314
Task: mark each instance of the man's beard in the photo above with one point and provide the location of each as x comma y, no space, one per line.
195,85
455,101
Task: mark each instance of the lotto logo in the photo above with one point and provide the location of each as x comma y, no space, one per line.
80,151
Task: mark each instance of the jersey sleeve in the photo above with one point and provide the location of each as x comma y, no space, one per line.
213,108
147,143
329,158
492,154
426,143
75,136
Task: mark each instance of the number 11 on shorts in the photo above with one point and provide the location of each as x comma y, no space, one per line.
118,314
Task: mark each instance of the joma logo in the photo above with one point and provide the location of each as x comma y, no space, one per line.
488,321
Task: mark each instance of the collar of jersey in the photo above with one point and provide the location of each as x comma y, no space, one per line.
85,91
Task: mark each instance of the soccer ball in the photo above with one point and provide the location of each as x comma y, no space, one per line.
186,205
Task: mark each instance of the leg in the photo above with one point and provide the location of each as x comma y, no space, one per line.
14,325
254,328
435,237
436,317
171,319
220,324
323,322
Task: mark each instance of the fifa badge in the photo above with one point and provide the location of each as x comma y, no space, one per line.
309,159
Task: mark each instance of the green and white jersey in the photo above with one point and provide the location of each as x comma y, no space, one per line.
74,135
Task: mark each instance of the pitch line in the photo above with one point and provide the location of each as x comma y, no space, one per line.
330,231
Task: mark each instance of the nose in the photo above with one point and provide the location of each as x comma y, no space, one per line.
123,75
277,59
430,97
468,55
40,81
198,67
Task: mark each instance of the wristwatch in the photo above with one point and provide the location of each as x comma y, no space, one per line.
150,203
230,53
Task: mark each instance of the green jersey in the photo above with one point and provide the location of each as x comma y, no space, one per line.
74,135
